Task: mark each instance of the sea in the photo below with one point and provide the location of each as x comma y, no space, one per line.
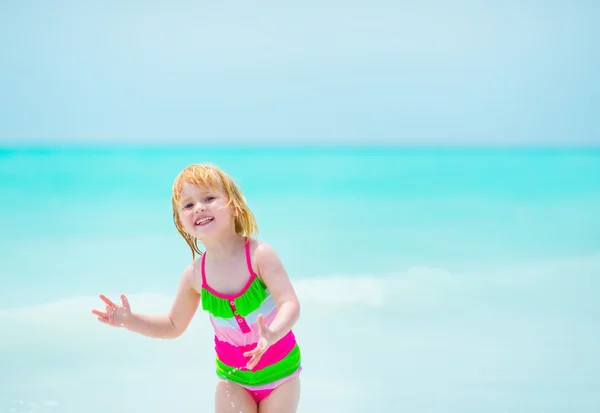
431,280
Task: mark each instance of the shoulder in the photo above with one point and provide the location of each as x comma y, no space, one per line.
263,249
265,260
262,252
272,272
191,277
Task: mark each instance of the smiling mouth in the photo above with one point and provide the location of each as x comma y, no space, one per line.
203,221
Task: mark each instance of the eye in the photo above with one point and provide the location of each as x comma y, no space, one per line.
188,205
209,198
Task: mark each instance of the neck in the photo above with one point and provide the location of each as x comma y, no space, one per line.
223,246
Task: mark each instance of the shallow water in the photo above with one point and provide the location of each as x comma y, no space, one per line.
430,281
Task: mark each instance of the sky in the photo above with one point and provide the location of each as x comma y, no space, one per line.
511,72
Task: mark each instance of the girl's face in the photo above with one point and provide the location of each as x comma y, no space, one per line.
204,212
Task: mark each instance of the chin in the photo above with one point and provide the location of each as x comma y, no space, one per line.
206,232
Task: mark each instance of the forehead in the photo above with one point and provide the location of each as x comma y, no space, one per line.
189,190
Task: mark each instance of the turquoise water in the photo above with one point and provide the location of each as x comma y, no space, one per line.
474,271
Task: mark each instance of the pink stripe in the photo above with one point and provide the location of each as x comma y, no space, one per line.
234,355
248,260
274,384
235,336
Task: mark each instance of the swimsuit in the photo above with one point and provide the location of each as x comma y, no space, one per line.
233,317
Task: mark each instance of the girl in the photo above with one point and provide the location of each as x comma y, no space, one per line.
243,285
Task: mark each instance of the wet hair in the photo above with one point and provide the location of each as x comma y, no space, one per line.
211,176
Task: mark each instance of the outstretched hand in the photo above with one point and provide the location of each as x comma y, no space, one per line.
265,340
115,315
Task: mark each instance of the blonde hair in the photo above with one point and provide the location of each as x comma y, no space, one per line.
210,175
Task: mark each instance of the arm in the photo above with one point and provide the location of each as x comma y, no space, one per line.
173,324
274,275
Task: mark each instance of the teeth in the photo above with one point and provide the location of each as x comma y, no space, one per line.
203,221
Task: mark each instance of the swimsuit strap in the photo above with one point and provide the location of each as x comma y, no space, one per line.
248,260
204,285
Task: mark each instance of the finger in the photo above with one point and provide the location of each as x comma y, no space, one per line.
107,301
104,320
263,329
256,351
99,313
125,301
253,362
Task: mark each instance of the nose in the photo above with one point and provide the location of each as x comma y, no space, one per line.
199,207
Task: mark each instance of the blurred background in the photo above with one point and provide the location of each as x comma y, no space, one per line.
429,174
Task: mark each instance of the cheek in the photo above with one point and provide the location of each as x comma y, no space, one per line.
229,211
220,208
184,218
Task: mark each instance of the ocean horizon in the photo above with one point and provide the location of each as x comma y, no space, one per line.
449,280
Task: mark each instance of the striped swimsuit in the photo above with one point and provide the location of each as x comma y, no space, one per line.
233,317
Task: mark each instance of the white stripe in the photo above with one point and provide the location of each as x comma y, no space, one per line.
265,308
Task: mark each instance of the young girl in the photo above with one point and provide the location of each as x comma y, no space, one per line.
243,285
